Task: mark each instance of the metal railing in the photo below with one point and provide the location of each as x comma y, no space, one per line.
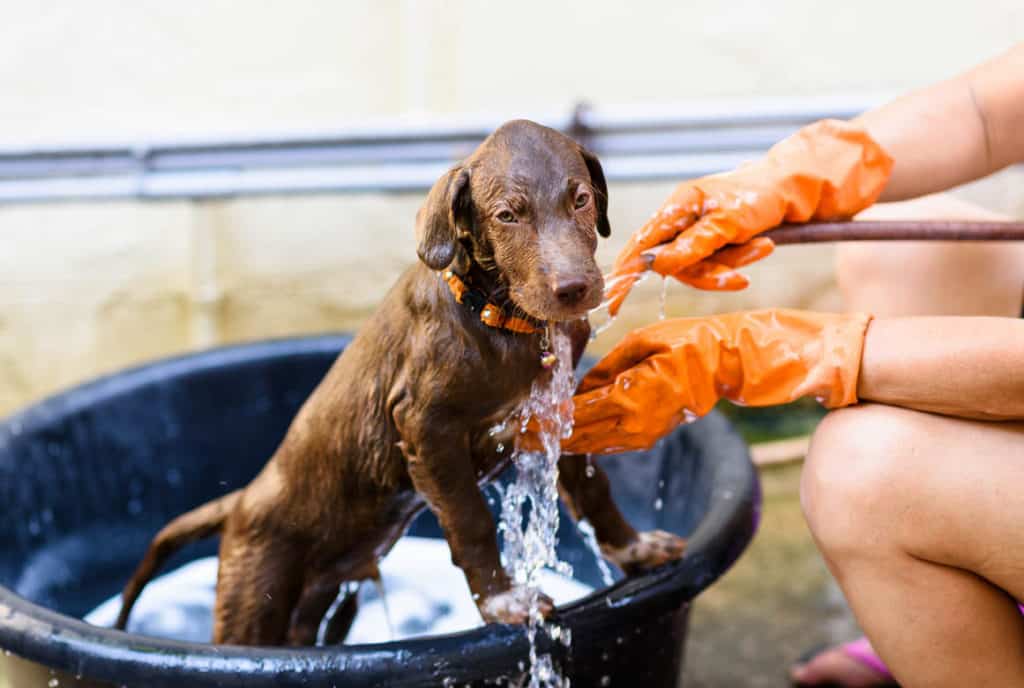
634,143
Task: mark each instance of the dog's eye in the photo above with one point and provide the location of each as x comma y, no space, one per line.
582,200
506,216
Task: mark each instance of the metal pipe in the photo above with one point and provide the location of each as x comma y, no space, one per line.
897,230
635,143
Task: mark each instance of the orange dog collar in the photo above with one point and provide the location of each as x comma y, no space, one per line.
490,314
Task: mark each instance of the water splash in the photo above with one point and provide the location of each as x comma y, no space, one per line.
345,590
600,320
664,297
529,543
590,540
379,584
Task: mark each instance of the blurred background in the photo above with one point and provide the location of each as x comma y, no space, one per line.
176,176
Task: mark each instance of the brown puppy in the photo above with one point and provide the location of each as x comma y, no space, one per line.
402,419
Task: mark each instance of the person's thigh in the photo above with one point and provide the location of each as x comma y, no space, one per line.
931,278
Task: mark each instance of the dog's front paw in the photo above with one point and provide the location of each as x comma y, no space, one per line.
514,605
648,551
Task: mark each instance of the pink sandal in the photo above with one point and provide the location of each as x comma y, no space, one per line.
860,650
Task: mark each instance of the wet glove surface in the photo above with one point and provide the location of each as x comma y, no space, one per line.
829,170
676,370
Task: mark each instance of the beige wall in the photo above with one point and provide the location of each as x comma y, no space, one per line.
87,288
116,69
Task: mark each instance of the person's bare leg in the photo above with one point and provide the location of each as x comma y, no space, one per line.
918,278
918,517
931,278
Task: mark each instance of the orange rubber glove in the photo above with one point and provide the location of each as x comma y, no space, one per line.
829,170
676,370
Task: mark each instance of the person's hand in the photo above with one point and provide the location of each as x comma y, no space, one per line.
829,170
676,370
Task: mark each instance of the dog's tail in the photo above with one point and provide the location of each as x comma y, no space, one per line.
197,524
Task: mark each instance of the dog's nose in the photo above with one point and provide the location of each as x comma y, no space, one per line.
571,291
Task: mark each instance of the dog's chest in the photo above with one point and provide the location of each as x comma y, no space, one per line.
494,439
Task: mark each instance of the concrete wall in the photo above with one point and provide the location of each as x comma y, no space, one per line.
115,69
88,288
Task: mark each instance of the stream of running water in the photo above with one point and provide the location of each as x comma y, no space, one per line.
529,506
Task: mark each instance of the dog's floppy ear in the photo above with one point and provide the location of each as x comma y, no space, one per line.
437,221
601,187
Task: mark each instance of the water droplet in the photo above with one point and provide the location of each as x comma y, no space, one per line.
501,448
33,527
174,476
134,507
664,296
589,471
606,680
53,682
658,504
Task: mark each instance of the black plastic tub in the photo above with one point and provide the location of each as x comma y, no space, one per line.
88,476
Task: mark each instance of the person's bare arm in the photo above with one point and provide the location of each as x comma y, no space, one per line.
958,366
954,131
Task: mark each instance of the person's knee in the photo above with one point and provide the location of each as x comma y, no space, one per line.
857,469
893,278
931,278
858,263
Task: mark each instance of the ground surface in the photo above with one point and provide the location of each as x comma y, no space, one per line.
777,601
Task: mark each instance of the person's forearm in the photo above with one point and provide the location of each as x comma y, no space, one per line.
954,131
959,366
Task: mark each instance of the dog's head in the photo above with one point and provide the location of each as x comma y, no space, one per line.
526,206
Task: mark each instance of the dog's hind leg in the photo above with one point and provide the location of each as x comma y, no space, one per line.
319,591
317,596
258,584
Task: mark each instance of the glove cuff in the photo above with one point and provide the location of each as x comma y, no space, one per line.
841,357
